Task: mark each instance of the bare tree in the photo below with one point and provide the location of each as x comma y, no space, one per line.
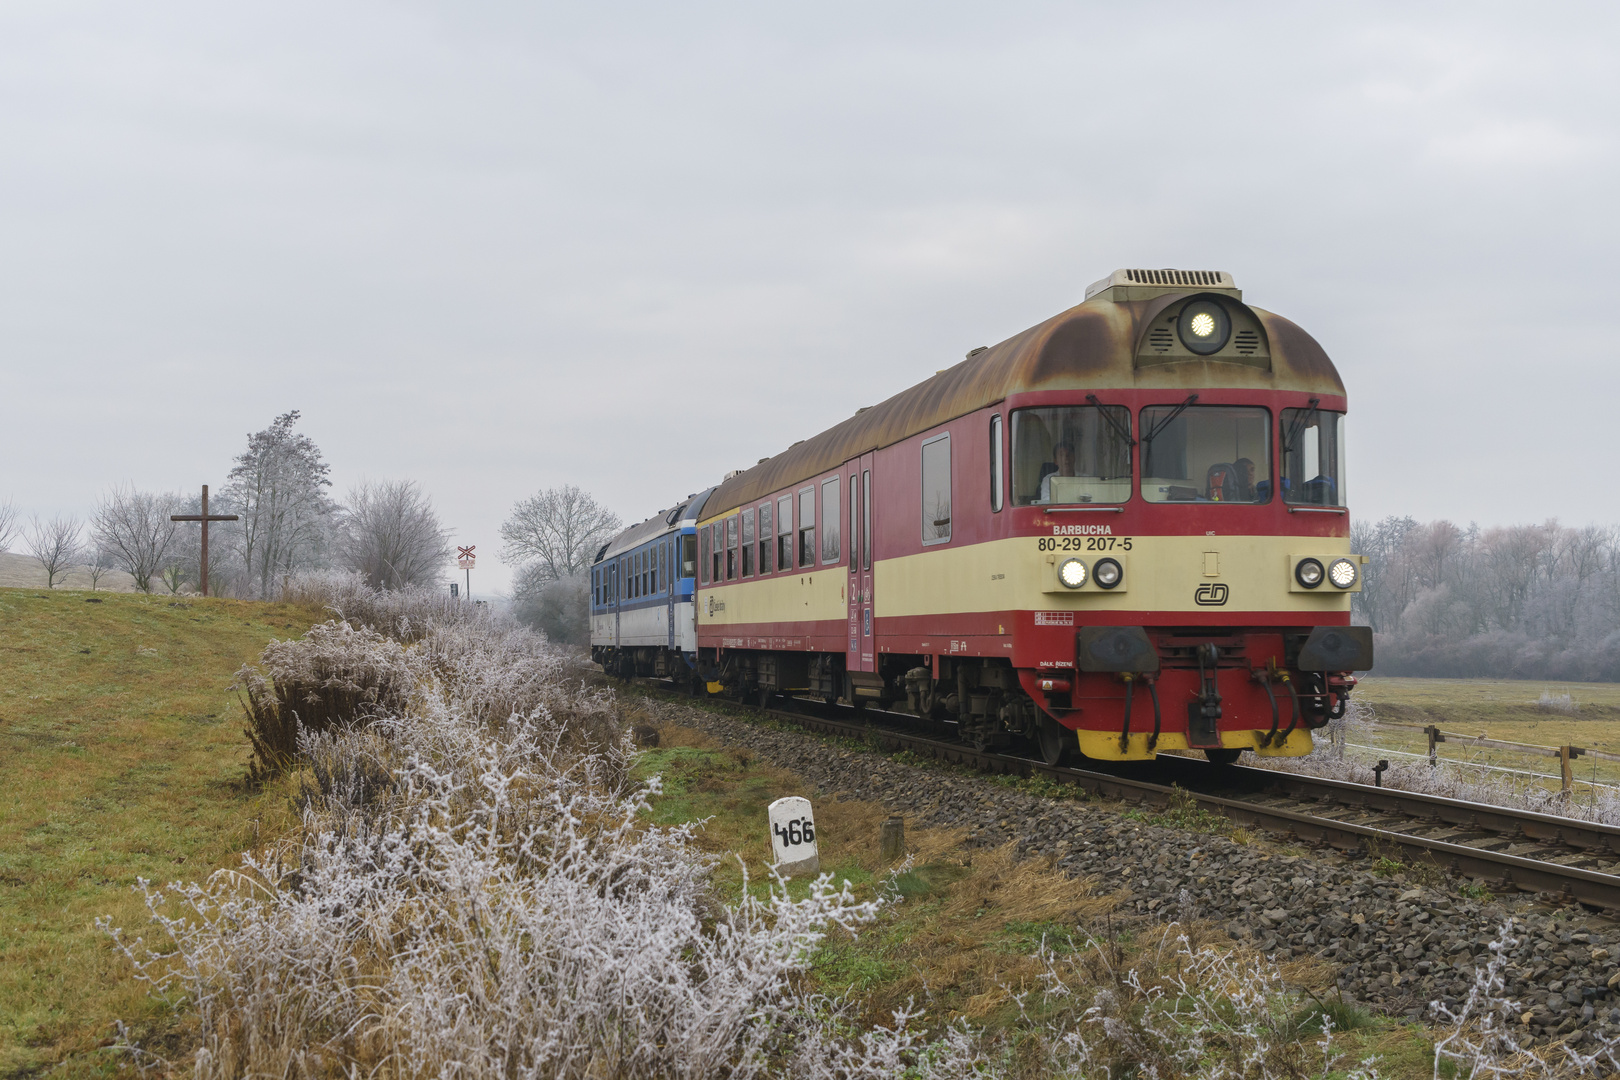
8,524
390,534
279,485
55,543
558,531
134,527
99,564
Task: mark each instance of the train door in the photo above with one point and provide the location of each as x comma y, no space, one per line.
616,564
862,651
852,589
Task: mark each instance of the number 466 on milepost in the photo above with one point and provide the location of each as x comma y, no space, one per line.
793,836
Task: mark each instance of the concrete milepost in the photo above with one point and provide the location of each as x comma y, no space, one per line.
793,836
465,559
205,517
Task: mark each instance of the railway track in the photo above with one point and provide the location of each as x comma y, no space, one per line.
1506,849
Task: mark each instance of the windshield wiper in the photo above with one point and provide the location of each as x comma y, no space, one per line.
1300,423
1149,436
1113,421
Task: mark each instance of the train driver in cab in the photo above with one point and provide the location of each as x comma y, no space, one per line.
1062,464
1245,481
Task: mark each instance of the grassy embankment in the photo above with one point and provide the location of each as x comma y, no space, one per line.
123,758
1506,709
961,938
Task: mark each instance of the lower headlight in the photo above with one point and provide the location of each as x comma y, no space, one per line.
1108,573
1342,573
1308,573
1072,573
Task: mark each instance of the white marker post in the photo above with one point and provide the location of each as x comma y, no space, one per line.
793,836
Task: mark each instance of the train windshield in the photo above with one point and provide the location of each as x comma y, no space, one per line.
1071,454
1313,457
1206,453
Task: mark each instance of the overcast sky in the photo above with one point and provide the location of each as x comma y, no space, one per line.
497,247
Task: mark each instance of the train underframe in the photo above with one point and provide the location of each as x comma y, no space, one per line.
1128,693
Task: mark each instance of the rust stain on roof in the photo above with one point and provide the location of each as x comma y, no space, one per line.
1091,346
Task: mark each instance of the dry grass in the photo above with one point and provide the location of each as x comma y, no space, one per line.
124,758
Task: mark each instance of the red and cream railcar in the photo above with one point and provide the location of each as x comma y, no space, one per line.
1123,530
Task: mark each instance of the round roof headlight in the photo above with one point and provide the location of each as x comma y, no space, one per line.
1308,573
1108,573
1342,573
1204,327
1072,573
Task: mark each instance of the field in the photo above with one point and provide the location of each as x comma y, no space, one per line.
123,759
1506,709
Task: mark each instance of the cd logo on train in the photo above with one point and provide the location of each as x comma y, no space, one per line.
1213,594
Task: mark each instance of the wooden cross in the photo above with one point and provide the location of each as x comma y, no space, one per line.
205,517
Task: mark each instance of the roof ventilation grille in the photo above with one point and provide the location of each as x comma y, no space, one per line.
1144,284
1214,279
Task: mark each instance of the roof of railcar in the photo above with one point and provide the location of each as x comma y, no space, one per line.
1092,346
658,525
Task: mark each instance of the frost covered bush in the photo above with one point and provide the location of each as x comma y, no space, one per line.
403,613
473,893
1180,1010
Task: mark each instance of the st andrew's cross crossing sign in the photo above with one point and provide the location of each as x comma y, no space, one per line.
464,559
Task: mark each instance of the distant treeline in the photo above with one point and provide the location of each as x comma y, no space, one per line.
1523,601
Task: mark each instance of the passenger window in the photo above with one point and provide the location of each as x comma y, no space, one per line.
706,544
830,547
784,533
807,527
936,490
688,556
866,520
767,539
663,567
748,543
995,464
731,548
854,516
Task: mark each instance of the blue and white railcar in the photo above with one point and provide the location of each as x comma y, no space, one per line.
642,619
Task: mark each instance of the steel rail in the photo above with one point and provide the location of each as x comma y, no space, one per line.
1502,871
1532,825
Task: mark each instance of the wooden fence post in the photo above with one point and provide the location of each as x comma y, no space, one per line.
1565,770
892,839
